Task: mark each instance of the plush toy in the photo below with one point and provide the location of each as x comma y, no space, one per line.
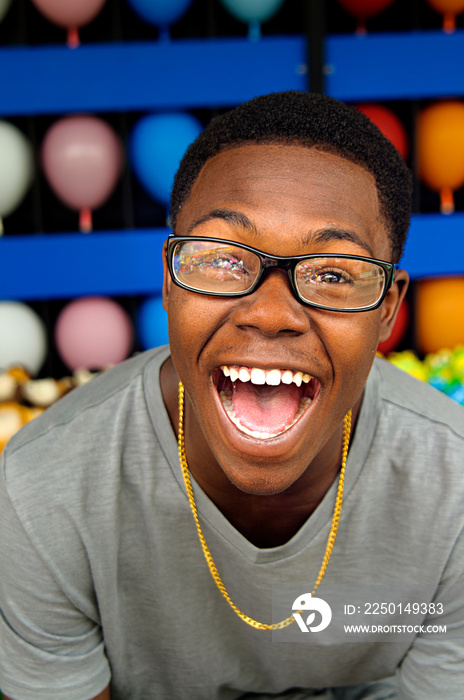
12,417
44,392
23,398
11,381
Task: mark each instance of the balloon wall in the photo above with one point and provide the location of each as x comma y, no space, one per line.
70,15
440,149
389,124
161,13
16,168
23,337
362,10
253,12
449,9
158,143
82,161
101,99
4,6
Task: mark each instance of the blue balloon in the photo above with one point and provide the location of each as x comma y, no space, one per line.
252,10
157,145
152,323
160,12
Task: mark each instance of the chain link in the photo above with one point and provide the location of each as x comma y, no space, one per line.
207,554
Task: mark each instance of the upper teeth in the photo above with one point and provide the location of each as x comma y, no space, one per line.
274,377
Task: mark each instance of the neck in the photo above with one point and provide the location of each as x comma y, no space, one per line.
272,520
265,521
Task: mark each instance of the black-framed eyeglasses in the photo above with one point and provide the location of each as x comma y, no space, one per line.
218,267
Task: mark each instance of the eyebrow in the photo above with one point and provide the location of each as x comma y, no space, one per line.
335,233
235,218
323,235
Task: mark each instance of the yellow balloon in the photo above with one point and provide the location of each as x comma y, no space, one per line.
440,149
439,313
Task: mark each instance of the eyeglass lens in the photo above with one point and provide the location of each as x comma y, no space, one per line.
340,283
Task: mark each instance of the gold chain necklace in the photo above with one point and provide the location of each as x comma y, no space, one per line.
209,559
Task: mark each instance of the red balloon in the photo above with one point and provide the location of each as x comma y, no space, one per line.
82,159
398,330
363,9
389,124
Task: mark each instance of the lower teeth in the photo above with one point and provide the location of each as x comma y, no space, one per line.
226,398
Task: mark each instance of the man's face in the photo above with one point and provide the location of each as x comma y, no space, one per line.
286,201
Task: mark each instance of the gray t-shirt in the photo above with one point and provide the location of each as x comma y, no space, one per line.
102,577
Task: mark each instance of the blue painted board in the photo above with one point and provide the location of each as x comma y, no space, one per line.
112,263
208,73
116,263
395,66
435,245
134,76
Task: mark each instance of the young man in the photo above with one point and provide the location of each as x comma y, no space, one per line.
152,521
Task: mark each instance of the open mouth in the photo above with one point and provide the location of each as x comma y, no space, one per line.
264,403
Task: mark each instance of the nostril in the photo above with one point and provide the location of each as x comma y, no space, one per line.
273,310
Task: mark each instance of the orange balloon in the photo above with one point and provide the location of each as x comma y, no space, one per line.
389,124
440,149
449,9
440,313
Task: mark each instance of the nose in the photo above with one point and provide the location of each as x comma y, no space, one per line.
272,309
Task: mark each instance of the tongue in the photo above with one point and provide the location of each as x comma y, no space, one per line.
267,409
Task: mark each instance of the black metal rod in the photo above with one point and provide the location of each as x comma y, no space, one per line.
315,34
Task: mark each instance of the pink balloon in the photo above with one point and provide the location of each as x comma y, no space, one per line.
82,159
93,333
69,13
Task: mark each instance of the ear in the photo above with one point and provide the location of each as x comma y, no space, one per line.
392,303
166,278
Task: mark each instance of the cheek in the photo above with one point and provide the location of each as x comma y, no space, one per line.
182,323
193,319
354,340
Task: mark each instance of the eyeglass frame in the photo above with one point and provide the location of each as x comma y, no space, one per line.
286,263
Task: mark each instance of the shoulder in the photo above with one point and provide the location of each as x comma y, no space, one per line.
415,403
419,445
88,439
413,474
93,404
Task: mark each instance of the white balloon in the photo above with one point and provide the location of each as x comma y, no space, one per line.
4,5
16,167
23,337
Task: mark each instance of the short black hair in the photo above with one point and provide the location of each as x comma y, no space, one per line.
315,121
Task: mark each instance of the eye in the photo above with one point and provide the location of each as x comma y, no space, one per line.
309,273
332,277
224,263
220,263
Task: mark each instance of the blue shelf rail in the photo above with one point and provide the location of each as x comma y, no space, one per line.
208,73
129,263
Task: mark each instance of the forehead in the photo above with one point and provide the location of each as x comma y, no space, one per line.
286,191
